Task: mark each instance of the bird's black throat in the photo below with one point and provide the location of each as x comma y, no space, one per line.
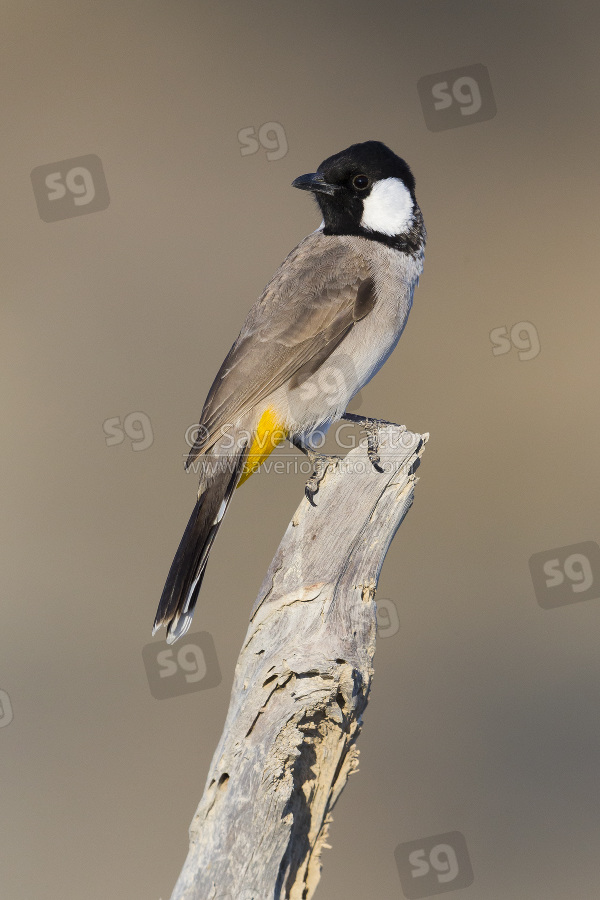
344,222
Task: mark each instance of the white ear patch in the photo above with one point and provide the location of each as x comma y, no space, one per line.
388,208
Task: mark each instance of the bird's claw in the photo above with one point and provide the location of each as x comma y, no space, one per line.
370,427
320,466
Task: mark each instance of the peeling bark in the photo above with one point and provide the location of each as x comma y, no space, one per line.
301,685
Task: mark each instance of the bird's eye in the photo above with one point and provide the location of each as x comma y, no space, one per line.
360,182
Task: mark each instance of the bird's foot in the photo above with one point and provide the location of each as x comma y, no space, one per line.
370,428
320,466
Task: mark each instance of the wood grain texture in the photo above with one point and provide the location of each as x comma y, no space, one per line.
301,685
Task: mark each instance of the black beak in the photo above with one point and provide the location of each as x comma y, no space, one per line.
315,183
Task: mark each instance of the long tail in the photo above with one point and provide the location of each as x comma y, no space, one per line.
184,580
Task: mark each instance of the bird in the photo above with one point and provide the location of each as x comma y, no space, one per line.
339,302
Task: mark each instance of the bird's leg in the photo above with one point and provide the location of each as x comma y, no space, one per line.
370,427
320,465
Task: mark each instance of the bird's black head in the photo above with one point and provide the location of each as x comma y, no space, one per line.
365,190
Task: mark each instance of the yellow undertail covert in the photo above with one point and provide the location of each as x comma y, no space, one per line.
269,433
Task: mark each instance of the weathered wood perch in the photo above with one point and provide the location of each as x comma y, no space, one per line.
301,685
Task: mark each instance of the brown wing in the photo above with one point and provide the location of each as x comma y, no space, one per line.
306,310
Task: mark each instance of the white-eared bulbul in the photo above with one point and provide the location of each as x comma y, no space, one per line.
341,298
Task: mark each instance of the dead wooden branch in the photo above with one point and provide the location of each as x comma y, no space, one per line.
301,685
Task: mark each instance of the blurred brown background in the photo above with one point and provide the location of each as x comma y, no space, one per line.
484,714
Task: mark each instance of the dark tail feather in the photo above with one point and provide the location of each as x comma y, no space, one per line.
184,580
